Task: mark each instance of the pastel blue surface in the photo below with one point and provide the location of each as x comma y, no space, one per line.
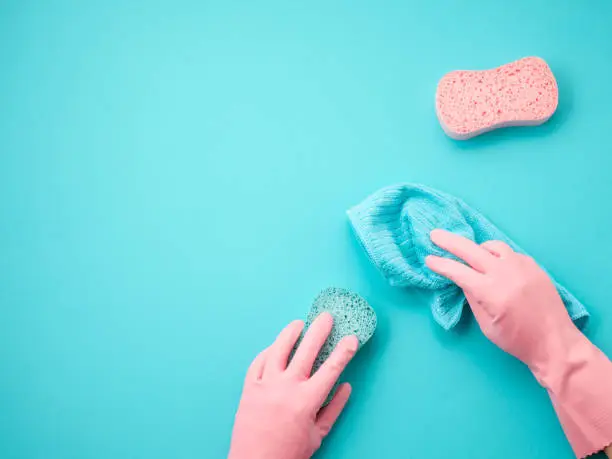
174,177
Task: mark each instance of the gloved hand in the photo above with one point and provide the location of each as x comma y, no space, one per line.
280,415
519,309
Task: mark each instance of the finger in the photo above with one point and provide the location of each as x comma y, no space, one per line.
462,275
464,249
309,348
278,352
255,371
498,248
327,375
329,414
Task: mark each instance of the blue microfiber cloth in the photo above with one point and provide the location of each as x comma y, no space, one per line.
393,225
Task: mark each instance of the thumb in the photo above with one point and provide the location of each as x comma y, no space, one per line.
329,414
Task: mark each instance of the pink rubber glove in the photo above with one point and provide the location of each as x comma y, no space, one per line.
519,309
280,415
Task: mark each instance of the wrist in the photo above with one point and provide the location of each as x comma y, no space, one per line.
579,382
560,353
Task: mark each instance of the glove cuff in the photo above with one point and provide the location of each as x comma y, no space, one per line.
580,388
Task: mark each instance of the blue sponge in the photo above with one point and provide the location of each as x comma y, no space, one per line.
352,316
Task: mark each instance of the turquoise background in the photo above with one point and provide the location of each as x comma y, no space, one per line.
173,182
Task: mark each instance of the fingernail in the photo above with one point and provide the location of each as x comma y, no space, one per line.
353,343
430,260
326,316
434,233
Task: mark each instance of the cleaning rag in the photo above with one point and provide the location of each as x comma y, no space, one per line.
393,225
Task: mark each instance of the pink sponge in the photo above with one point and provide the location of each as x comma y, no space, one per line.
522,93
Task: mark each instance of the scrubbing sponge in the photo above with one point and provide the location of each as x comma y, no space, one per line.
352,316
522,93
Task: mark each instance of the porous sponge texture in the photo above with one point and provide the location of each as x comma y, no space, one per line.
352,316
522,93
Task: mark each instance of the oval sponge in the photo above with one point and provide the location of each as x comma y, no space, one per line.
522,93
352,316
